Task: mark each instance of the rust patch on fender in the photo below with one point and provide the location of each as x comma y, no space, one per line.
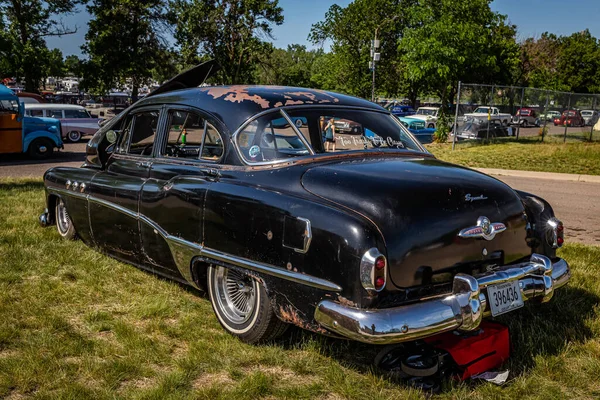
289,314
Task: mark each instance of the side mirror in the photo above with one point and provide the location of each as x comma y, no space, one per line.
112,136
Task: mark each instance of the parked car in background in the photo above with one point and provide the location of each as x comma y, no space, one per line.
483,129
347,126
550,115
38,137
428,114
570,118
402,110
526,117
33,98
590,116
418,129
75,120
484,112
379,245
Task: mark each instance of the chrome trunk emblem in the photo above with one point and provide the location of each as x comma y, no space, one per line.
470,198
484,229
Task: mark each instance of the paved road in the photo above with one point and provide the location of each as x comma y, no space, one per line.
21,166
577,204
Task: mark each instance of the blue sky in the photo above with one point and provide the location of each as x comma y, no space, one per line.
532,17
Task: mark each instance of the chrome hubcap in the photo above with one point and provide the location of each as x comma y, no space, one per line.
62,217
74,136
235,294
42,149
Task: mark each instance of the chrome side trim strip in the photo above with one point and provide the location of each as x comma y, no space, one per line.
271,270
184,251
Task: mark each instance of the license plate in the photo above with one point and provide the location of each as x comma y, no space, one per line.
504,297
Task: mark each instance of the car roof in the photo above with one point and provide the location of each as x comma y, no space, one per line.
6,93
429,108
236,103
38,106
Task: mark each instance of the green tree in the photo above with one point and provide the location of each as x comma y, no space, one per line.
229,31
450,40
288,67
351,30
124,42
27,23
578,63
73,65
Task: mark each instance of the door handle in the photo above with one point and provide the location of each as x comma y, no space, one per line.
211,172
144,164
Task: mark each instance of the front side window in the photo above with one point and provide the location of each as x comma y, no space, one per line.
191,136
9,107
139,133
36,113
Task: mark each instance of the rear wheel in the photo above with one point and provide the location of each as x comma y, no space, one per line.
74,136
40,148
64,225
431,126
242,305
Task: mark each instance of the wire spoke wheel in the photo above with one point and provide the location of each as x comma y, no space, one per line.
63,219
235,294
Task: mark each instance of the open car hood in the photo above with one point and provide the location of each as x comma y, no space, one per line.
192,77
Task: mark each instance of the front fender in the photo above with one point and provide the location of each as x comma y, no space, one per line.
31,136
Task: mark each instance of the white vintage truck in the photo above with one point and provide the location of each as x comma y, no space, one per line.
428,114
482,113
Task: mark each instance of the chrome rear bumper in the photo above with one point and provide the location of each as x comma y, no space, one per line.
462,310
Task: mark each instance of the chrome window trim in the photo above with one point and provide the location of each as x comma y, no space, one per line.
300,135
184,251
309,106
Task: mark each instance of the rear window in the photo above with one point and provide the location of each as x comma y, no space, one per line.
273,137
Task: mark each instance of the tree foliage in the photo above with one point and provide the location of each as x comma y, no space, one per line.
124,41
450,40
288,67
351,30
26,24
229,31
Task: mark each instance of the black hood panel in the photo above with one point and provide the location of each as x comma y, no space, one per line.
420,206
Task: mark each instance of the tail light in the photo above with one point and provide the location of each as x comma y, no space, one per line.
373,270
556,233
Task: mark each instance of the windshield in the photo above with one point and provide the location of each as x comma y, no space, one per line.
424,111
9,107
481,110
586,113
272,137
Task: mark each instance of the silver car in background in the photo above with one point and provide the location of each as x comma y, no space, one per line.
75,120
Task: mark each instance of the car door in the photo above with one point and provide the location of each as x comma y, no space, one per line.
173,198
115,191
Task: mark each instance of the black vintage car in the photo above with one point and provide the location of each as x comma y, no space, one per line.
479,130
208,186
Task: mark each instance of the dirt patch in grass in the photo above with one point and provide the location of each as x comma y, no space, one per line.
207,380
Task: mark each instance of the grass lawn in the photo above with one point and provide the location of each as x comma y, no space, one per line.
75,324
525,154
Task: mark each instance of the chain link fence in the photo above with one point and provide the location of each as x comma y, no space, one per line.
495,112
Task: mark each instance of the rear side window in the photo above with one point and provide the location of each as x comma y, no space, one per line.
192,136
76,114
54,113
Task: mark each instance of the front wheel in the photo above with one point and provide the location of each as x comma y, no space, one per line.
242,305
64,225
74,136
40,148
431,126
